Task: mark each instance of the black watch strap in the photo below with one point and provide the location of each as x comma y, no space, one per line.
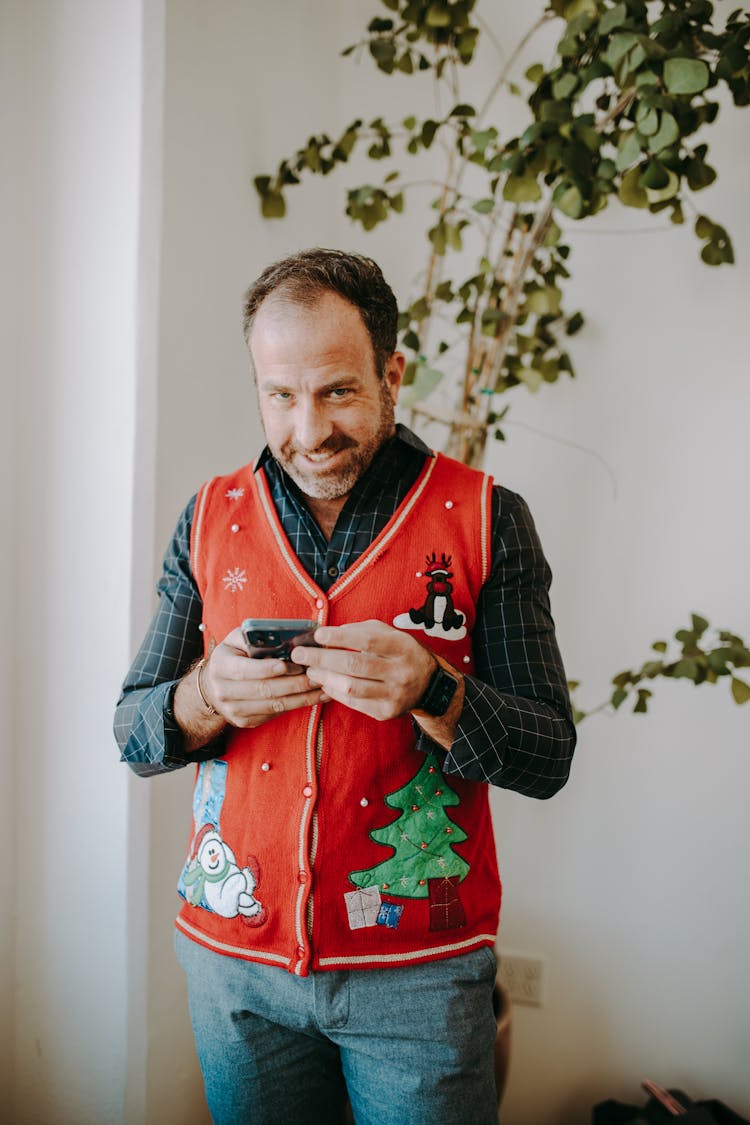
438,693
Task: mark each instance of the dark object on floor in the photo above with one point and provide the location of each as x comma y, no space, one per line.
665,1106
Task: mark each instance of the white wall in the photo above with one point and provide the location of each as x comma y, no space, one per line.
74,105
10,195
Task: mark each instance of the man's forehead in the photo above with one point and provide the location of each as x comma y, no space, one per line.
283,305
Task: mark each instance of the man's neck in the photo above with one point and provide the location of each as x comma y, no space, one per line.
325,513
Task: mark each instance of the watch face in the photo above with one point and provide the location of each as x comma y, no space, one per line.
440,691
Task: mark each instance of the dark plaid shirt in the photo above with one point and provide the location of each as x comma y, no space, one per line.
515,729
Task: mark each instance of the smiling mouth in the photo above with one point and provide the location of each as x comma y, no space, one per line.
320,458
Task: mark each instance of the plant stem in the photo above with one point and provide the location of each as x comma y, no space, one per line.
510,63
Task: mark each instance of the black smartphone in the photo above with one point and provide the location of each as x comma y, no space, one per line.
276,636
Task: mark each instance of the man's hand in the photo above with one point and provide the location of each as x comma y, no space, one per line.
245,692
369,666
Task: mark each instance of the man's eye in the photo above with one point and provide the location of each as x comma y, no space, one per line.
281,396
340,392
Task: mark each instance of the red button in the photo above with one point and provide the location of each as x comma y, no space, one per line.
302,876
307,791
300,952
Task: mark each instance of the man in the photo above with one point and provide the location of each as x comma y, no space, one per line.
341,894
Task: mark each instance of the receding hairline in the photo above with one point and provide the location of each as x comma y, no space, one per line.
285,298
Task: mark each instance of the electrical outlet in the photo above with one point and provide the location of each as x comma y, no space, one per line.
523,977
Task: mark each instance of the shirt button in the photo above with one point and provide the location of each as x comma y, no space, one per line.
333,572
235,527
307,791
300,952
302,876
320,603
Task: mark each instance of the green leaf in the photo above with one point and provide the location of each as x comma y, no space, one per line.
704,228
685,669
642,704
699,624
686,76
618,47
463,110
613,18
438,15
544,302
666,135
425,381
483,206
718,660
740,690
438,237
429,129
530,377
564,86
552,237
629,192
647,120
569,200
699,174
574,8
522,189
618,698
659,646
482,138
628,149
535,73
655,176
273,205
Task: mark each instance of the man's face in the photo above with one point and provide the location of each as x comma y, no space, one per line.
324,409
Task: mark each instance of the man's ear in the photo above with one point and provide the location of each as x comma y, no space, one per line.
394,373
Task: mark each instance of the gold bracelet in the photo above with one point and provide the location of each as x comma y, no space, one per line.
211,710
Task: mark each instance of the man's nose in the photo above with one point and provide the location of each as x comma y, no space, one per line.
312,426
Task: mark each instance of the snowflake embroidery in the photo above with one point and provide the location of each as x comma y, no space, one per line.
440,861
430,814
404,838
234,493
234,580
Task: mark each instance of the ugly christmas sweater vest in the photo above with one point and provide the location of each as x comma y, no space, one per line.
324,839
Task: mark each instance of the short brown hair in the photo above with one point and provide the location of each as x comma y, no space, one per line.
303,278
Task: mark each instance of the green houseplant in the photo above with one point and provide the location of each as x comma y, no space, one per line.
620,113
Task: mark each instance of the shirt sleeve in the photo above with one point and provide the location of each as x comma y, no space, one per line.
145,728
516,727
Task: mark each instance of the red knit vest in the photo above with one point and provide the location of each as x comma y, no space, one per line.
324,839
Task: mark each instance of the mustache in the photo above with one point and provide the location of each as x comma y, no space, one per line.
334,444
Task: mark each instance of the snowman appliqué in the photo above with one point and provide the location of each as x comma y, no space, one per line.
214,881
437,615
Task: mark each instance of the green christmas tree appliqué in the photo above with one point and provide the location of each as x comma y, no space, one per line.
422,838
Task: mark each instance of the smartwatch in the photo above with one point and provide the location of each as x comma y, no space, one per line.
438,693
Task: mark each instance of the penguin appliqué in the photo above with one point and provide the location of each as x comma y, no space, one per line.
437,615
